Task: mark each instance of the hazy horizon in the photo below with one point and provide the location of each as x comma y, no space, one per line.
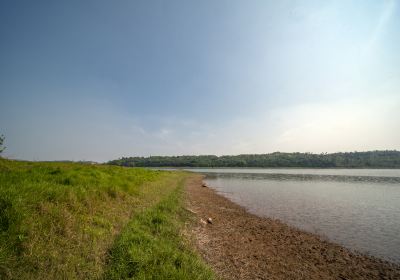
99,80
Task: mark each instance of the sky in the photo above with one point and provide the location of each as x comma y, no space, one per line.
99,80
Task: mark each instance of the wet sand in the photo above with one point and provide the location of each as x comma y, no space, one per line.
240,245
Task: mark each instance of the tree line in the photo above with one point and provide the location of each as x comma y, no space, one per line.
370,159
2,148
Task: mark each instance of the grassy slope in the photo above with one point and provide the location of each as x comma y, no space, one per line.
63,220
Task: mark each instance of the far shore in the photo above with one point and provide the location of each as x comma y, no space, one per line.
240,245
263,167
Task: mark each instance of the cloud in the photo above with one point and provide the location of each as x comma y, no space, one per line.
322,77
384,18
345,125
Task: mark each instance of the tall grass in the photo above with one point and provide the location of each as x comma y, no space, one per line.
60,220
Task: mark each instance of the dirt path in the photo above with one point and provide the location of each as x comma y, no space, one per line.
239,245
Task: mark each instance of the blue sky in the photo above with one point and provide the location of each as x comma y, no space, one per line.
97,80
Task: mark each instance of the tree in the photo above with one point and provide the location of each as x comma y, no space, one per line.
2,148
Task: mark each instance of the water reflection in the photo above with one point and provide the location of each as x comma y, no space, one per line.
304,177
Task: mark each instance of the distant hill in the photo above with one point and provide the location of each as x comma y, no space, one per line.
371,159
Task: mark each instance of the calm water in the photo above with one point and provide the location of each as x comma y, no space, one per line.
358,208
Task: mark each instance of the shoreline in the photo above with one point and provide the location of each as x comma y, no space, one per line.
241,245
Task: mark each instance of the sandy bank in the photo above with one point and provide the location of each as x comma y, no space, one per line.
240,245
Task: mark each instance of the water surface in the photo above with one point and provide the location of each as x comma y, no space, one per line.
357,208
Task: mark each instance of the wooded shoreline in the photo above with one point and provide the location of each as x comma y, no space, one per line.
370,159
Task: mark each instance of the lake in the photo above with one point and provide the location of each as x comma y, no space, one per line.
357,208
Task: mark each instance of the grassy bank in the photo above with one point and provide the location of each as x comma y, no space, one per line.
151,246
76,221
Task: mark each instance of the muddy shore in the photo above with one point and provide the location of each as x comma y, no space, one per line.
240,245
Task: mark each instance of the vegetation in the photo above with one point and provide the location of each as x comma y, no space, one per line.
373,159
64,221
150,247
2,143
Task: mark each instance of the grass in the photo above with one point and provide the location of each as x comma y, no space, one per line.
77,221
151,246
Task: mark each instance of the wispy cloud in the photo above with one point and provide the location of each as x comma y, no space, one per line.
198,78
388,9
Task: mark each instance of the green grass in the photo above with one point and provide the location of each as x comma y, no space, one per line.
151,247
64,221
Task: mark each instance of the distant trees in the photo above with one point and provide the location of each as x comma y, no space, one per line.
372,159
2,148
